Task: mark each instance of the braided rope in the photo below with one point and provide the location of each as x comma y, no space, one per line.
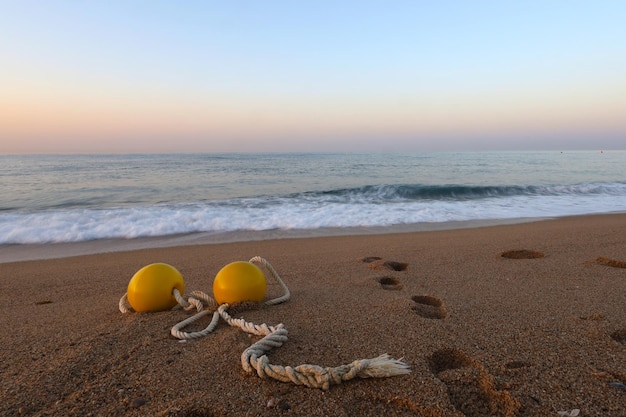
198,299
254,358
269,267
124,305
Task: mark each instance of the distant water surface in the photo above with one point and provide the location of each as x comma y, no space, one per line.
74,198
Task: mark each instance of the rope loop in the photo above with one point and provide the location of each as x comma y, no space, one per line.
272,271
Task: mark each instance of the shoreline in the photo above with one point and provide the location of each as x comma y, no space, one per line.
40,251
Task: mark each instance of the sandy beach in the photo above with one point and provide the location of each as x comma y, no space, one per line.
534,334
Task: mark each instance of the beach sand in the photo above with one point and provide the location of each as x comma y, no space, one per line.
483,334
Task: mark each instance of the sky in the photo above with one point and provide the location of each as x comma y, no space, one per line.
319,76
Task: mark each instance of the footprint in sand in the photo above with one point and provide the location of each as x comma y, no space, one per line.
450,358
521,254
610,262
389,283
470,387
429,307
375,262
386,282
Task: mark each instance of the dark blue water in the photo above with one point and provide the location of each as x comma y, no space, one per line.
69,198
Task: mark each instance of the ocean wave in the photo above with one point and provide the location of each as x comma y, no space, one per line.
370,206
453,192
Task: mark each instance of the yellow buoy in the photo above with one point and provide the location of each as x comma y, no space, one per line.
150,289
239,281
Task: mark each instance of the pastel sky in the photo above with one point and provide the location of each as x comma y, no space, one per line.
221,76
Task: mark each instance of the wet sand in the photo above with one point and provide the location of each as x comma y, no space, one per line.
532,333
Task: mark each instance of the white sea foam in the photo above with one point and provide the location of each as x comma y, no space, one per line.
72,225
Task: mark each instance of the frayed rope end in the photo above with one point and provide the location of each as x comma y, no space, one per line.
384,366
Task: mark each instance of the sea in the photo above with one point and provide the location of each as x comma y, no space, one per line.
77,198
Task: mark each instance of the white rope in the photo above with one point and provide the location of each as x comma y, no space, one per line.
124,305
198,299
179,334
269,267
254,358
